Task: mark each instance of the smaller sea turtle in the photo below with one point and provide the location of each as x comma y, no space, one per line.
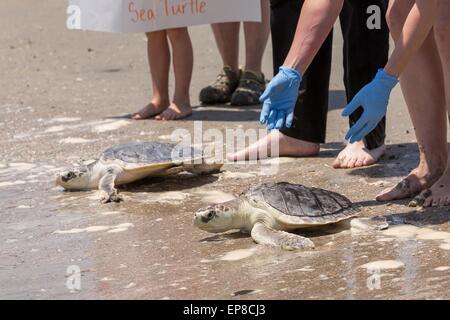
267,211
127,163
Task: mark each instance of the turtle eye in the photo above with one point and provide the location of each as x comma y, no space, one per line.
211,214
70,175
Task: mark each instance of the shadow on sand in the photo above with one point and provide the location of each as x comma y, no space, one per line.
429,216
228,113
219,113
170,183
399,160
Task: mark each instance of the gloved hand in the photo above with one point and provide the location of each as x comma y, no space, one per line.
374,99
280,98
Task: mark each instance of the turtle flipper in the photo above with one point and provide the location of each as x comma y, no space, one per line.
173,171
420,199
106,186
206,167
288,241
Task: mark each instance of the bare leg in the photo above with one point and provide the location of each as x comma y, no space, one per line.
227,40
423,87
159,61
288,147
440,191
183,61
256,37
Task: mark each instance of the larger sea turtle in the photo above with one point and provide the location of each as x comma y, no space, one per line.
267,211
126,163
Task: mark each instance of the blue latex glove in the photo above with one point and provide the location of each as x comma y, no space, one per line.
280,98
374,99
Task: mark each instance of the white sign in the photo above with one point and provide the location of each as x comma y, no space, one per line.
153,15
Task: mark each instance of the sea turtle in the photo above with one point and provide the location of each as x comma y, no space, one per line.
267,211
126,163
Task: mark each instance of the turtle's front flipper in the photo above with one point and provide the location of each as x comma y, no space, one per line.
287,241
106,186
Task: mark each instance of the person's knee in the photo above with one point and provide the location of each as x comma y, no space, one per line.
396,16
176,34
442,28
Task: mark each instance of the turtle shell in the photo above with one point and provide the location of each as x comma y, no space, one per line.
303,205
151,153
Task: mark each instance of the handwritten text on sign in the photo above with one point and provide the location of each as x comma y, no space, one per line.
152,15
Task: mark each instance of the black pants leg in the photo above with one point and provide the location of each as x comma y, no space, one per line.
310,116
365,51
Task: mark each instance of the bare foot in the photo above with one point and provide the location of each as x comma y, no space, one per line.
175,111
439,194
288,147
150,110
419,179
356,155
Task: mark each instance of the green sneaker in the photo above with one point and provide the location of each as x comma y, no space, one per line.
222,89
250,88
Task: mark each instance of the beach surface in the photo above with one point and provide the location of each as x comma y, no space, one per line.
63,97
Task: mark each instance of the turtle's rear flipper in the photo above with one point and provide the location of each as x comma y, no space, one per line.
206,167
419,200
106,186
287,241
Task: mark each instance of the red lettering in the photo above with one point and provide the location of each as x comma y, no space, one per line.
174,8
132,10
202,7
140,15
170,9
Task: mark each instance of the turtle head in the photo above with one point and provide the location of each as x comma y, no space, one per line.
77,178
217,218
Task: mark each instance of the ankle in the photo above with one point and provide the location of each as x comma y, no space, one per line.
430,172
294,145
160,102
255,71
234,68
436,165
185,101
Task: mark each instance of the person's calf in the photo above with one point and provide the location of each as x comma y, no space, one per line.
177,33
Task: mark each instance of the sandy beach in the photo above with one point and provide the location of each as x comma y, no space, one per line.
63,97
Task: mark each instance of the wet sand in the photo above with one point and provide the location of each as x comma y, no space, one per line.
62,94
